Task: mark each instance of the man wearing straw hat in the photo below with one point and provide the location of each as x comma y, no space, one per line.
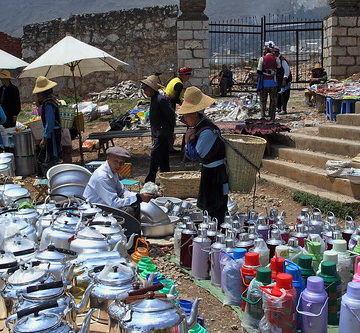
162,123
9,99
203,144
50,143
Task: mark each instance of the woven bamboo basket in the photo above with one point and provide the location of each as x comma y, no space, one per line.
180,184
241,173
67,116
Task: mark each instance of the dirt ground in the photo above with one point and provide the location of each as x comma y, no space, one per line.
217,317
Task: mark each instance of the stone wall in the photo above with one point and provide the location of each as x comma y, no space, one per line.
144,38
341,46
10,44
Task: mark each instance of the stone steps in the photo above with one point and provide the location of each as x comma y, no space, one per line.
314,176
340,131
303,187
348,119
344,147
306,157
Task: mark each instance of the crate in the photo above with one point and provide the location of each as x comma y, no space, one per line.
180,184
37,129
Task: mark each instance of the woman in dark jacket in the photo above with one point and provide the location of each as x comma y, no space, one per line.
203,144
50,145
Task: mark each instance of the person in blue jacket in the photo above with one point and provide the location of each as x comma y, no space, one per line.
204,144
50,144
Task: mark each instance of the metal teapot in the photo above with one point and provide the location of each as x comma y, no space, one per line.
54,291
88,240
12,222
316,223
154,313
55,260
36,320
22,248
7,261
112,280
89,210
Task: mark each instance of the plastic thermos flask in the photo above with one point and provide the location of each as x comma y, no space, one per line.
356,277
187,236
350,309
279,303
305,264
254,311
277,266
200,255
248,270
312,306
332,284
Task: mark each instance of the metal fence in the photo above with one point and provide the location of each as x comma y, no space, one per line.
238,43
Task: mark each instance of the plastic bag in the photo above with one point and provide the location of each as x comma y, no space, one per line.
150,187
231,280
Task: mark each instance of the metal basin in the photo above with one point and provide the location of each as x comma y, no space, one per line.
152,213
68,190
62,174
161,201
158,230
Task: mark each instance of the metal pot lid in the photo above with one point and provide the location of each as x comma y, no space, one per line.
9,186
68,219
151,305
87,208
44,295
16,192
50,254
25,277
115,277
4,166
16,221
7,260
17,244
104,217
43,321
90,233
108,229
27,212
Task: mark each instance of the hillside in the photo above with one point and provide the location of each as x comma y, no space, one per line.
16,13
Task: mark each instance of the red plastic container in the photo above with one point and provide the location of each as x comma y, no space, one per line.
277,266
248,270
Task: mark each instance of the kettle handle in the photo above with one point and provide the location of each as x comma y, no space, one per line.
143,291
36,309
44,286
141,240
150,295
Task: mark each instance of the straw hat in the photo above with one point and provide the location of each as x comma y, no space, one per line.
4,74
317,66
152,81
42,84
194,101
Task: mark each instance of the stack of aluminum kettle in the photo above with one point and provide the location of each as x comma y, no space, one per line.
59,261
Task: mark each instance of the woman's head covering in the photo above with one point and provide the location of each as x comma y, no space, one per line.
152,81
194,101
185,70
42,84
317,66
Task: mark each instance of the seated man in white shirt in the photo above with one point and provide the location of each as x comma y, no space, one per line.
104,186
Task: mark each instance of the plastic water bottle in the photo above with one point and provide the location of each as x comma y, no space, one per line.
254,311
312,307
314,250
350,309
344,261
261,248
294,250
332,284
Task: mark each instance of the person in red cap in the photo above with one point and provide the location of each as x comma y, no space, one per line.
175,88
104,186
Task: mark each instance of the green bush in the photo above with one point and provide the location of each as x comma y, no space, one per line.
325,205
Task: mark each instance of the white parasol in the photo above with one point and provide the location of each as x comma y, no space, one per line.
8,61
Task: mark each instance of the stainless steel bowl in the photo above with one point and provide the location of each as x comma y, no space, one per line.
68,190
152,213
158,230
62,174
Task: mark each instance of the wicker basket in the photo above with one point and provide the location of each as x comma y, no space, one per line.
177,184
67,116
241,173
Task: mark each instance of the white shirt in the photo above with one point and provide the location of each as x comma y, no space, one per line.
105,188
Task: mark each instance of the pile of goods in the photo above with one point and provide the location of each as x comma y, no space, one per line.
53,254
339,90
237,109
124,90
260,127
306,277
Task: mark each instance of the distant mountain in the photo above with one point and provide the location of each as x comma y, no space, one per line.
14,14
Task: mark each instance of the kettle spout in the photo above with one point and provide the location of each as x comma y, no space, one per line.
193,314
86,323
130,242
68,272
85,299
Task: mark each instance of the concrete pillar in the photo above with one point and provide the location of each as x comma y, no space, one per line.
193,42
342,39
